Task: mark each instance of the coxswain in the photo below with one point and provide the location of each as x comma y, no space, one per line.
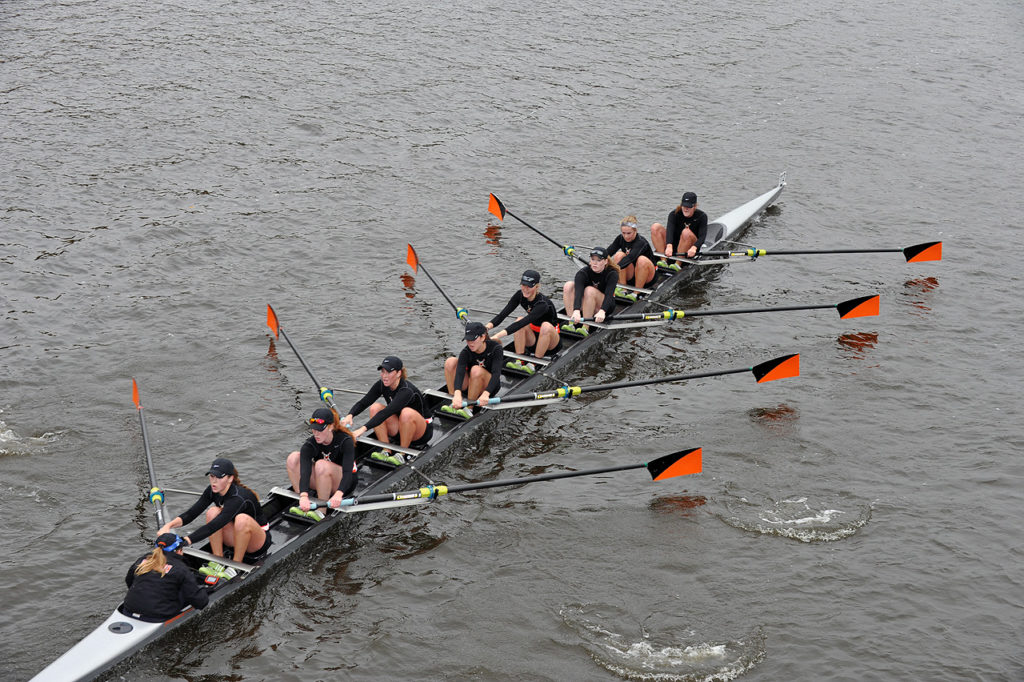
537,329
160,584
634,256
687,229
325,464
403,413
591,293
234,519
477,370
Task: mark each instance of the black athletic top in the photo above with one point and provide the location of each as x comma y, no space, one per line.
490,359
155,597
235,500
605,281
633,250
698,224
341,450
539,310
405,395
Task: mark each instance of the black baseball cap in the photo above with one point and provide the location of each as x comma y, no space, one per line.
390,363
321,419
530,278
599,251
168,542
689,199
221,467
474,330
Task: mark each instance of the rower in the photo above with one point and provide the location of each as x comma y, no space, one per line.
537,330
234,521
325,463
403,412
477,370
593,289
634,256
686,232
160,583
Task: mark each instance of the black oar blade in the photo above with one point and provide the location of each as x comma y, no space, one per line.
779,368
923,252
865,306
496,207
682,463
272,321
411,259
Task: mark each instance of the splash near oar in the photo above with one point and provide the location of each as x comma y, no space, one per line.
156,495
498,209
414,262
918,253
681,463
782,367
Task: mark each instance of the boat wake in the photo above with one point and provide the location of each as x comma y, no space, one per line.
676,657
797,518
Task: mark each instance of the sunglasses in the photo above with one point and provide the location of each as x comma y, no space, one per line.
317,420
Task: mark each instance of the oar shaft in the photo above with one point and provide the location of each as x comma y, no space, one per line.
457,309
566,249
794,252
677,314
157,502
325,395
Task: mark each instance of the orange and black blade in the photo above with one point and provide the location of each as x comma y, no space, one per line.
412,260
865,306
496,207
682,463
135,394
923,252
779,368
272,321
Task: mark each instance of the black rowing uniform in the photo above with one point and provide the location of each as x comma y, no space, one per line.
403,396
538,311
341,450
697,223
633,250
235,500
491,359
605,281
154,597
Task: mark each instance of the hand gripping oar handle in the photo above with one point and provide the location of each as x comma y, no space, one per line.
498,209
156,496
326,395
414,262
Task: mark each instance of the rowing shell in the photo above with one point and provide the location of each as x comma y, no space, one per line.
121,636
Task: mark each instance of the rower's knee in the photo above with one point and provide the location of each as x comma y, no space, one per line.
293,461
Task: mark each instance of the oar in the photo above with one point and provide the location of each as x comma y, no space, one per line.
682,463
326,394
156,496
863,306
498,209
414,262
779,368
927,251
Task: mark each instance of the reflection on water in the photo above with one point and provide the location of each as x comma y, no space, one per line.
409,284
858,343
673,504
921,287
492,235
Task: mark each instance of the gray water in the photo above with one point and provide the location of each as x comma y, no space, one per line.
169,169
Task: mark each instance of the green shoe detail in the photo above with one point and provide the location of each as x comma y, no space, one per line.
675,266
396,460
662,264
312,515
514,364
568,327
582,331
379,455
528,368
215,570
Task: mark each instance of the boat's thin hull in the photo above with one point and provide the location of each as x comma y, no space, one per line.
104,648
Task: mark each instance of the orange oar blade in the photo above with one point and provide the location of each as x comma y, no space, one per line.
272,320
682,463
412,260
135,394
779,368
865,306
496,207
923,252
